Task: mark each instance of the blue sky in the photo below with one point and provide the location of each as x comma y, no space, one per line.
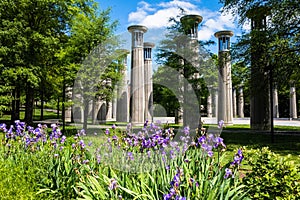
154,14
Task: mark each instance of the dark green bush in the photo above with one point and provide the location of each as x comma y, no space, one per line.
271,176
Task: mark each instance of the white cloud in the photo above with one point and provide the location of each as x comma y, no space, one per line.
156,16
141,13
178,3
216,22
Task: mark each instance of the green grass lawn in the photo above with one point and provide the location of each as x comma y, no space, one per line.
36,115
246,127
285,145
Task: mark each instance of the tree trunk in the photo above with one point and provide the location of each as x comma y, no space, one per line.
29,105
42,104
85,114
57,112
15,111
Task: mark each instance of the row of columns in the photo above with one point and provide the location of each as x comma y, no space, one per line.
135,104
141,100
238,102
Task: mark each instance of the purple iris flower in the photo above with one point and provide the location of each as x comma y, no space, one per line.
3,127
63,139
168,196
201,139
146,124
85,161
238,158
113,184
220,124
81,144
186,130
130,156
228,173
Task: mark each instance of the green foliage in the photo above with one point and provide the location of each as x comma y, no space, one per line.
202,177
42,44
20,174
63,172
271,176
5,99
40,165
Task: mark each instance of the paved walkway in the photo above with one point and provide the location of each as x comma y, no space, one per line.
206,120
278,121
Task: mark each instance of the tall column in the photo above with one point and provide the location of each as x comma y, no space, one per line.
68,111
137,102
234,107
190,25
241,102
109,104
122,114
148,81
215,104
209,102
275,101
260,109
293,102
114,109
225,84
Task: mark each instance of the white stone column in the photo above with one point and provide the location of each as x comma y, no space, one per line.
68,111
215,104
209,102
190,25
241,102
122,114
234,106
293,102
275,102
225,84
137,92
109,104
148,81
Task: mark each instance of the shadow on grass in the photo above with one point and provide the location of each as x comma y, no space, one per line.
283,144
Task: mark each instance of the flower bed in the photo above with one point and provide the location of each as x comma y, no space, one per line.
153,163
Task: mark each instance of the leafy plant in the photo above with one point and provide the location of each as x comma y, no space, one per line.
184,169
271,176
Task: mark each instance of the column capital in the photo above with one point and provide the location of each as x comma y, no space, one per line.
224,40
123,51
149,45
134,28
190,25
223,33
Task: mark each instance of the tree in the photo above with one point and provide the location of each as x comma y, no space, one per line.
42,43
163,95
268,49
92,51
31,34
187,57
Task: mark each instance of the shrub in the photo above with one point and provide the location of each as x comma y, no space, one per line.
271,176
